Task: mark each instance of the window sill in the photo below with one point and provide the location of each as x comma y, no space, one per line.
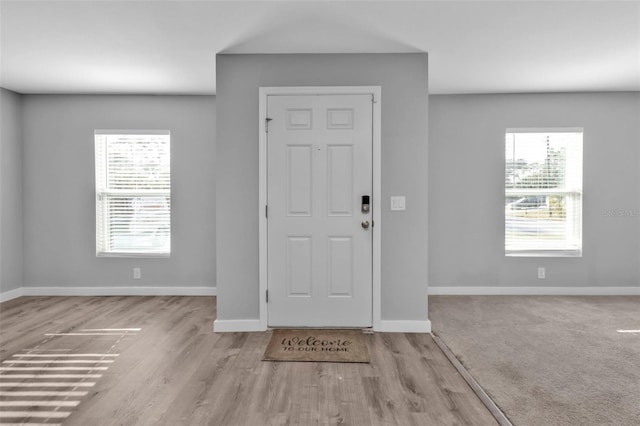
135,255
543,253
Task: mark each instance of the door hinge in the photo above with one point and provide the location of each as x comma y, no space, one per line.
267,295
266,124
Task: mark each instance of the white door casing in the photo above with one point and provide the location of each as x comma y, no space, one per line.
317,260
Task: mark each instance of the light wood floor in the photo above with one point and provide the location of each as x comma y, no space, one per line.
175,371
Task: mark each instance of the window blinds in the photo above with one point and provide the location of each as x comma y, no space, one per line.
543,192
133,193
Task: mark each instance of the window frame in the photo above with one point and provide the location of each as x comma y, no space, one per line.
101,171
575,221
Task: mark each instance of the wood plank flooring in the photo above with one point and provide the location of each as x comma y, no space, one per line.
161,364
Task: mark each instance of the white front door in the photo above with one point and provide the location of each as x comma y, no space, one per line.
319,173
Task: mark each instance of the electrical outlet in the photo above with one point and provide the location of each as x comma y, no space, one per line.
542,273
137,273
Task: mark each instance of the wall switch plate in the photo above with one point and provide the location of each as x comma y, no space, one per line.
541,273
398,203
137,273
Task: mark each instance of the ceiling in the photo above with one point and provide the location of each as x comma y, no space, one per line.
169,47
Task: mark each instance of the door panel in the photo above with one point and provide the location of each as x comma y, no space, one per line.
340,179
299,275
340,267
299,188
319,165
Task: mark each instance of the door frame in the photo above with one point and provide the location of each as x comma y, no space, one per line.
376,205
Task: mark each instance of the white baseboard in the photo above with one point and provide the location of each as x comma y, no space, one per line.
11,294
107,291
399,326
535,291
230,326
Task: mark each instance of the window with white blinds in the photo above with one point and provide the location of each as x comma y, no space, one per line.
133,193
543,192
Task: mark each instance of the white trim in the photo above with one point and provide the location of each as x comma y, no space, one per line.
230,326
11,294
146,255
142,132
543,253
400,326
262,203
320,90
535,291
377,207
109,291
377,203
544,130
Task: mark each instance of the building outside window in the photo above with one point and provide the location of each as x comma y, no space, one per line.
543,192
133,193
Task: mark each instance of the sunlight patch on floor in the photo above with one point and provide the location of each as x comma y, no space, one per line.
88,334
53,368
30,424
63,355
111,329
39,403
45,384
42,393
38,379
64,361
37,414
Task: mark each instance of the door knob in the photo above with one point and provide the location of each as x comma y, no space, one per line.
365,224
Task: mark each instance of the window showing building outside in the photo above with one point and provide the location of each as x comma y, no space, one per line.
133,193
543,192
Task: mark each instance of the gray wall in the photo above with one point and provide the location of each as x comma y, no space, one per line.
46,171
403,78
59,191
10,191
466,189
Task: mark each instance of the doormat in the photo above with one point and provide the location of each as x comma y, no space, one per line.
314,345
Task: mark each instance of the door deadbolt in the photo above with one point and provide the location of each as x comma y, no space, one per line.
365,224
365,204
